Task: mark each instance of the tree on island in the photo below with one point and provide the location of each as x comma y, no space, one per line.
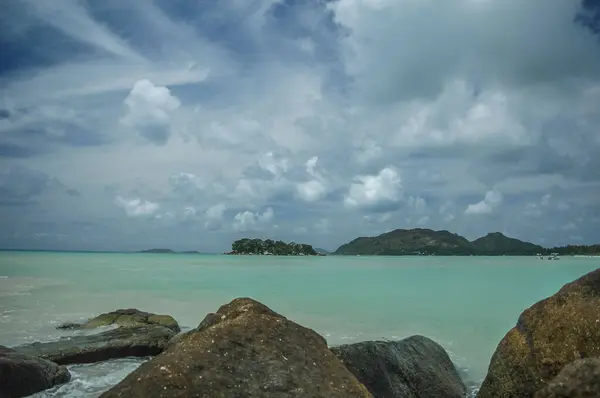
271,247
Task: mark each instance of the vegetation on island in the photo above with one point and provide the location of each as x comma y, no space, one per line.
271,247
496,243
422,241
407,242
577,250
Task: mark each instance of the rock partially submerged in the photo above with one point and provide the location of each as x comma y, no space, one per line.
22,375
126,318
244,350
579,379
139,341
411,368
549,335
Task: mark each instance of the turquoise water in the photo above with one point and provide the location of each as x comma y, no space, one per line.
467,304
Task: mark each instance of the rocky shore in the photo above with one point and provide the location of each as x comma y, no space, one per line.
245,349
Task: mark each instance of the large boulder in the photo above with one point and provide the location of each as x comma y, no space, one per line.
415,367
140,341
243,350
548,335
22,375
579,379
126,318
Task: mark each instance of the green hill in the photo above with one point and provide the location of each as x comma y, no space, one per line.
421,241
497,243
408,242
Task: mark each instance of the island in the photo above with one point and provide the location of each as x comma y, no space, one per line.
167,251
269,247
577,250
427,242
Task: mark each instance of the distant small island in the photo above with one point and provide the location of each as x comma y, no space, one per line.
271,247
427,242
167,251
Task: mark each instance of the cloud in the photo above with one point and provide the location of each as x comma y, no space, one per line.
323,226
321,111
248,221
423,220
492,200
214,217
546,200
314,189
463,38
375,192
21,186
418,203
150,109
135,207
189,212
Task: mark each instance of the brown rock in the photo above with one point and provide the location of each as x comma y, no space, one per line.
22,375
141,341
244,350
415,367
579,379
548,335
126,318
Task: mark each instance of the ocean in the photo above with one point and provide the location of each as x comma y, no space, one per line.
466,304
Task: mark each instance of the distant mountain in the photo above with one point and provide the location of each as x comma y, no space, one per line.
497,243
408,242
167,251
158,251
422,241
322,251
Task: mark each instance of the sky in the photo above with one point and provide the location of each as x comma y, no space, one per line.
187,124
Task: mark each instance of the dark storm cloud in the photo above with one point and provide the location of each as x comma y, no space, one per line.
23,186
9,150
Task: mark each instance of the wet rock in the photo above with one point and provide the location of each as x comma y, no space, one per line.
243,350
126,318
549,335
415,367
69,326
22,375
579,379
140,341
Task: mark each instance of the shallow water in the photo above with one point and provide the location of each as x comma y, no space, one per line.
466,304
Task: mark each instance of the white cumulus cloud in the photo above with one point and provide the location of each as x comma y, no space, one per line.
375,192
315,188
247,220
136,207
150,109
492,200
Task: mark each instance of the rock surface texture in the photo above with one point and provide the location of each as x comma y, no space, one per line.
416,367
549,335
141,341
243,350
126,318
22,375
579,379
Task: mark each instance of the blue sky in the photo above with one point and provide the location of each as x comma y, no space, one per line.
188,124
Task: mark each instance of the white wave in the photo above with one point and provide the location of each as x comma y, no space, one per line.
91,380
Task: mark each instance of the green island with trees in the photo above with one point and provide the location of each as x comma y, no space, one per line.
427,242
269,247
410,242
